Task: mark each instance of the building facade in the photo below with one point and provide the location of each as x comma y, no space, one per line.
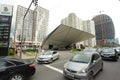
35,25
104,29
88,26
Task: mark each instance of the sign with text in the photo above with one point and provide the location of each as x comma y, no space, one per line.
6,10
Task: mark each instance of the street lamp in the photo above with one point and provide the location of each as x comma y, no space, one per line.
22,38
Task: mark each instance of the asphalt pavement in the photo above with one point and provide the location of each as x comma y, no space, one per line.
53,71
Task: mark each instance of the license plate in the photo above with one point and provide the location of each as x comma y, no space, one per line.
107,56
69,74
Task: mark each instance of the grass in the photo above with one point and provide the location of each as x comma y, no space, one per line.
75,50
31,52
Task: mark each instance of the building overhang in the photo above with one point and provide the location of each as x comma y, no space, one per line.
65,35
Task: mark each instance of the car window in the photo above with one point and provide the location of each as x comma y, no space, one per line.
81,58
48,53
96,56
107,50
4,64
17,62
54,52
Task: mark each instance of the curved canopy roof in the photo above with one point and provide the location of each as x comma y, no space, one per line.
65,35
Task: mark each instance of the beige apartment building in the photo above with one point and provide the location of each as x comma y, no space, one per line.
35,25
88,26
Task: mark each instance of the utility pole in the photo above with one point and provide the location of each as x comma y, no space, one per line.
22,36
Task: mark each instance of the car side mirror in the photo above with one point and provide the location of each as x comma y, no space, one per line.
94,61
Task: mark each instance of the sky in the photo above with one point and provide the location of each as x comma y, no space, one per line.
84,9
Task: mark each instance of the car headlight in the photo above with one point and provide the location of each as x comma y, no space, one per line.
65,65
83,71
112,54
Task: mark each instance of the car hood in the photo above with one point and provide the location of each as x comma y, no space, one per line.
45,56
76,66
107,53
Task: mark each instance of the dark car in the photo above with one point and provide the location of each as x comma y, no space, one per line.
15,69
109,53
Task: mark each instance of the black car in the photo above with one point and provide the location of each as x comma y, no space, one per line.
15,69
109,53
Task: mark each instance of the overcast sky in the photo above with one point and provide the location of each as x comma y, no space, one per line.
84,9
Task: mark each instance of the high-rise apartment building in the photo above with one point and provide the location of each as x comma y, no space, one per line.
73,21
88,26
104,28
35,25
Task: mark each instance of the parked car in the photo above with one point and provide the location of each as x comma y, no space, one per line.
83,66
90,49
48,57
109,53
117,50
15,69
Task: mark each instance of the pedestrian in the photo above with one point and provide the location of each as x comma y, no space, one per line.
16,52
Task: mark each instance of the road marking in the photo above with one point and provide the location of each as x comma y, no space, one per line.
53,68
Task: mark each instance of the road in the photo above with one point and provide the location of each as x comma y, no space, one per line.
53,71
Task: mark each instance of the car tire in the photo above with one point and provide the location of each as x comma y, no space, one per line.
58,57
91,77
116,59
101,67
16,77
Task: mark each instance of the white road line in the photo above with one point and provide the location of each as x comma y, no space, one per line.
55,69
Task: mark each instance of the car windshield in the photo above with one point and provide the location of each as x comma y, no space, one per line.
81,58
107,50
48,53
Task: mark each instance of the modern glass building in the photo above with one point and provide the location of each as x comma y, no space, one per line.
104,29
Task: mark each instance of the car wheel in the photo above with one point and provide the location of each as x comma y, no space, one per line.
58,57
91,76
101,67
16,77
115,59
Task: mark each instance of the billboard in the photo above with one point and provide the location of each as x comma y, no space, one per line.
6,10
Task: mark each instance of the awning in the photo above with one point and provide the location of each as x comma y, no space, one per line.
65,35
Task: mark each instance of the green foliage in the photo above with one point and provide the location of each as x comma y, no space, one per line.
31,51
75,50
11,51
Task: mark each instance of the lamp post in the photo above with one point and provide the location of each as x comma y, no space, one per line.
22,36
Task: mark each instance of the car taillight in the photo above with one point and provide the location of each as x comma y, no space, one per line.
32,65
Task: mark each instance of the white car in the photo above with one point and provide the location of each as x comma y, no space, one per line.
83,66
48,57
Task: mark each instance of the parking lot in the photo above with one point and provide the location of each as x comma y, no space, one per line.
54,71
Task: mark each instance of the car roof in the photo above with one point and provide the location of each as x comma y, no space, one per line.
88,53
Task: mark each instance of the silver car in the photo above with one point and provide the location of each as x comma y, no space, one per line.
48,57
83,66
